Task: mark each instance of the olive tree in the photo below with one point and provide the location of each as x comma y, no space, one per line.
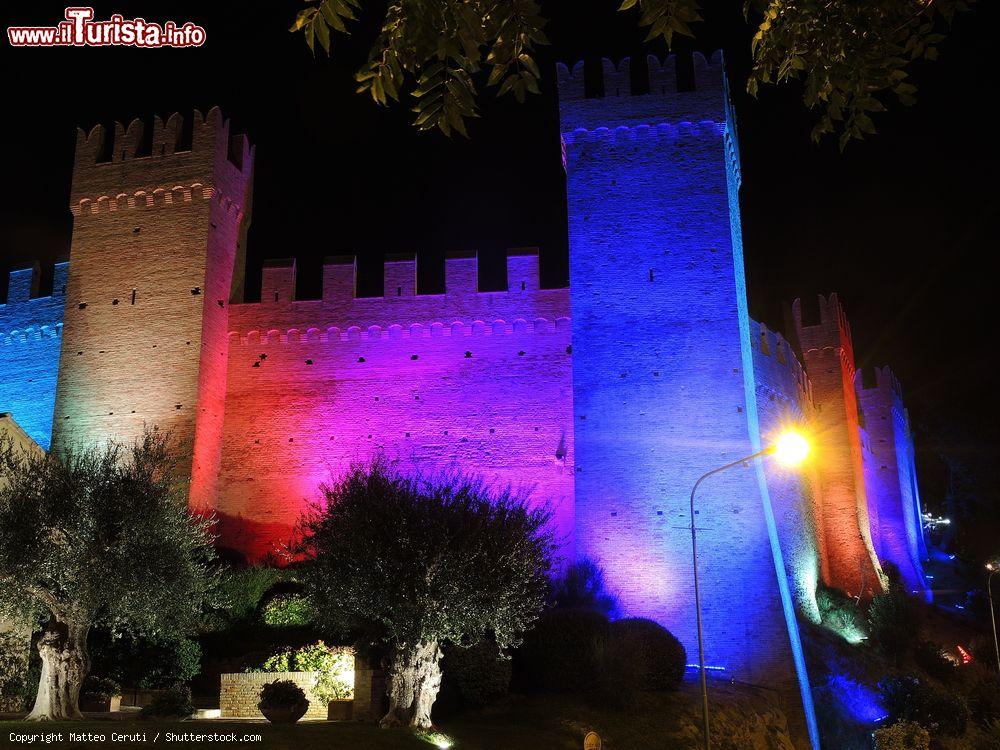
100,536
419,562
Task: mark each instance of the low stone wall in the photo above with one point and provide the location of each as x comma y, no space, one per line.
240,693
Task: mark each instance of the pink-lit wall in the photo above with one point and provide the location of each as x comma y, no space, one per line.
476,380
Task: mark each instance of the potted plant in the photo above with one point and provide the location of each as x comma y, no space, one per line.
100,694
283,702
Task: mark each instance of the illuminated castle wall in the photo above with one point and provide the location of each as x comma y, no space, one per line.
608,398
30,337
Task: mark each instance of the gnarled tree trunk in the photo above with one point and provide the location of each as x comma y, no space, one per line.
414,680
65,662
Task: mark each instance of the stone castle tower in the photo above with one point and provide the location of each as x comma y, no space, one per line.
828,353
663,380
157,256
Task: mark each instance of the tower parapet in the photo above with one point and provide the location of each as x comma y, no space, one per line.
663,103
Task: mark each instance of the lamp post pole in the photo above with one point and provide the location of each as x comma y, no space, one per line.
993,616
697,593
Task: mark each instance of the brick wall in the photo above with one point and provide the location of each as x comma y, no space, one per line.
889,476
30,340
662,371
829,359
477,380
240,693
155,242
784,400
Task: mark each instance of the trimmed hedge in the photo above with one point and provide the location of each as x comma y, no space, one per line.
659,656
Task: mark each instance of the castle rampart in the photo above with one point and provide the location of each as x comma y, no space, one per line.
30,340
828,354
890,477
425,380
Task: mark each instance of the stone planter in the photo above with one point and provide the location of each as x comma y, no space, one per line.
340,710
284,714
98,705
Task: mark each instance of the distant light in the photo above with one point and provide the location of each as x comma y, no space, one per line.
966,656
791,448
695,667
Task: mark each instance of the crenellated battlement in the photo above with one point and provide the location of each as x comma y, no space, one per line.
771,344
831,331
659,102
399,275
882,379
27,317
131,166
402,311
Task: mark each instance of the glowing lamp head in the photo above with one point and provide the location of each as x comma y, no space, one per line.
791,448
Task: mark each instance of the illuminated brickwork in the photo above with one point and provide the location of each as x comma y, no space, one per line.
30,337
607,399
157,235
891,478
426,380
663,375
828,354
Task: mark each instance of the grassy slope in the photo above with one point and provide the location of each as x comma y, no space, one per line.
742,719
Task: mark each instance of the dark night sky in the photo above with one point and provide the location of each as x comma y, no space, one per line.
900,225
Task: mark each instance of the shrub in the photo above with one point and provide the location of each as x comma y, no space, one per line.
173,703
146,662
904,735
335,665
287,610
938,710
930,658
984,700
894,622
658,657
475,676
840,614
991,737
282,694
14,654
100,688
561,653
582,586
241,591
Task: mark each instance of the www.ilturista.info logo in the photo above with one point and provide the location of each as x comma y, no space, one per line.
81,30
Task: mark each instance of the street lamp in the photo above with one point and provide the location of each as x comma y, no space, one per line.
790,449
994,568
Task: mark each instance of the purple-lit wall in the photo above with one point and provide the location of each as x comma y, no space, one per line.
477,380
890,478
663,373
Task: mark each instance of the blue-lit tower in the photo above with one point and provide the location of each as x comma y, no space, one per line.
663,380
